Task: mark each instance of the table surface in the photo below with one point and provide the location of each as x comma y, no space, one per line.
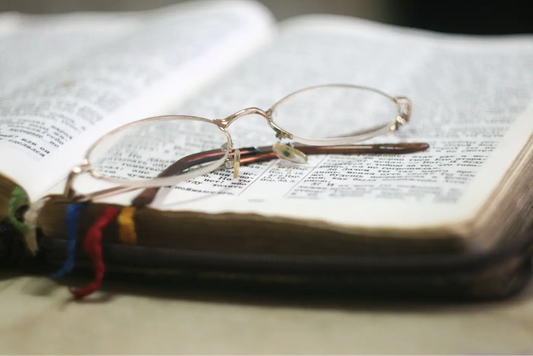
39,316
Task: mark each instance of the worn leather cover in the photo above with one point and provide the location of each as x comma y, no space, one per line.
491,275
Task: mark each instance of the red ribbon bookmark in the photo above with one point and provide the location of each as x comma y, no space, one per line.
92,245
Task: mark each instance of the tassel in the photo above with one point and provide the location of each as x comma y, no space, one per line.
127,226
30,219
73,212
93,247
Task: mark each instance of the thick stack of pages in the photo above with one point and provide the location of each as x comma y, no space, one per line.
472,102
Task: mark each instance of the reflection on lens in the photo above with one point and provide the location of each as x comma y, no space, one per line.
334,111
143,150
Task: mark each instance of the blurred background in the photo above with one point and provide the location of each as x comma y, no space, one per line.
454,16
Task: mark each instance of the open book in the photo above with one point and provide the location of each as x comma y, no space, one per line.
69,79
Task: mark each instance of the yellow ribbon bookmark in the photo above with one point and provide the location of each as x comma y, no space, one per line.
127,226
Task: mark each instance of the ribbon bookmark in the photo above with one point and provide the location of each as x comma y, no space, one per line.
73,213
31,218
93,247
127,226
18,199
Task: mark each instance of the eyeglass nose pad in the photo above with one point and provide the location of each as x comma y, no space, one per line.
236,163
289,153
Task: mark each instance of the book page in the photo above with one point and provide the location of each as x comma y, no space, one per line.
33,45
68,79
467,93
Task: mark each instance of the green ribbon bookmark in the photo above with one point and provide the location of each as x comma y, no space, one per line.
18,198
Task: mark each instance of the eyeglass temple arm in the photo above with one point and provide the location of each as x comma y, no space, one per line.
251,155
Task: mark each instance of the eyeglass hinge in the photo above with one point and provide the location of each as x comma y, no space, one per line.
69,191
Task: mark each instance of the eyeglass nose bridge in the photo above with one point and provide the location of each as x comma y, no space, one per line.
224,123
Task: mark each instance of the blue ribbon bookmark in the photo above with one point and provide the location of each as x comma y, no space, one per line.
73,212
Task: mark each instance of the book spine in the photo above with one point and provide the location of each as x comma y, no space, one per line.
6,228
10,245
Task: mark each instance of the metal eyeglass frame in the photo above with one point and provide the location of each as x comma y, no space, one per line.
230,157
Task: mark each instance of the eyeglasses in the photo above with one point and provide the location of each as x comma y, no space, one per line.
167,150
